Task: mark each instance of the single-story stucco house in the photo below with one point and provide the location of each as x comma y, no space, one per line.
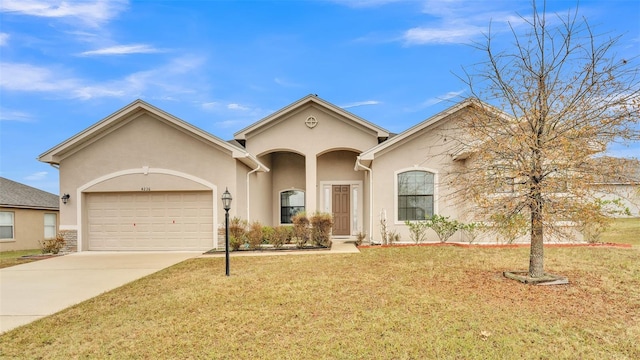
142,179
27,216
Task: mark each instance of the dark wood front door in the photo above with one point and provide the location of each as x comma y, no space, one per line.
341,208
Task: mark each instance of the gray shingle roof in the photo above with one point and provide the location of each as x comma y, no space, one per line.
15,194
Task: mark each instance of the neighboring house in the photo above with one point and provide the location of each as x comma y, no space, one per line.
142,179
624,188
27,216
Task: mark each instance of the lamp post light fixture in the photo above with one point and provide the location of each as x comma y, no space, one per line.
226,203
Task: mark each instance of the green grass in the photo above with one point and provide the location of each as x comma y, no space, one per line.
385,303
11,258
623,231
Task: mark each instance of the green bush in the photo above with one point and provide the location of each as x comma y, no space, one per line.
268,233
417,230
321,224
301,229
473,230
235,243
443,227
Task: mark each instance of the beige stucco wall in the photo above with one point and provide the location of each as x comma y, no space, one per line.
338,165
291,133
627,195
300,157
427,150
28,229
147,154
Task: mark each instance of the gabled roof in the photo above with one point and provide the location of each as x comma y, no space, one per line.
58,152
309,99
17,195
430,122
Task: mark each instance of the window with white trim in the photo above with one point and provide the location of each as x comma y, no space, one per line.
415,195
291,203
50,221
6,224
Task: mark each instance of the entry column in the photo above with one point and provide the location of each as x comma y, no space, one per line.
310,183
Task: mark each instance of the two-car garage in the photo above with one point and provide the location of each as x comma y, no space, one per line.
145,220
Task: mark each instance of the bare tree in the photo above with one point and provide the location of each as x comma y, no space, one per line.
559,98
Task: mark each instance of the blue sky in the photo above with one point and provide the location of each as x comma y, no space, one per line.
222,65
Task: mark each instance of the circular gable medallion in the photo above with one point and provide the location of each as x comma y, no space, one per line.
311,122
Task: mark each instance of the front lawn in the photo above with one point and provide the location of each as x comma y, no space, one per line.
11,258
623,231
385,303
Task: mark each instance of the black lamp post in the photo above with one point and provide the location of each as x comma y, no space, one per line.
226,203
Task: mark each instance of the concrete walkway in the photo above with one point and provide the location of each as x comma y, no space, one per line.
32,291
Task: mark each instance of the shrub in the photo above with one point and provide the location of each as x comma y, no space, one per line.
510,227
281,235
53,245
443,227
237,233
360,236
267,234
393,237
235,243
301,229
417,230
254,235
473,230
321,224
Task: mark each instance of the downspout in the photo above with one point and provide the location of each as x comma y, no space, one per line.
248,190
358,164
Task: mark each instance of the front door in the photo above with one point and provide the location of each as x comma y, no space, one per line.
341,208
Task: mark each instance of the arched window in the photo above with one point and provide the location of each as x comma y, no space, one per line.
291,203
415,195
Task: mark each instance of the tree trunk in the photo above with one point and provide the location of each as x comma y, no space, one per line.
536,257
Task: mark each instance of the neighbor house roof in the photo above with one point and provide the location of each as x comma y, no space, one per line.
309,99
113,121
17,195
625,170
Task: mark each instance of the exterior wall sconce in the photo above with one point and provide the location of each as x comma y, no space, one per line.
226,204
65,198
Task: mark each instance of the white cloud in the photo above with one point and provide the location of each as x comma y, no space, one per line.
14,115
285,83
360,103
4,39
234,106
92,13
209,105
25,77
365,3
458,21
178,76
444,35
123,50
36,176
448,96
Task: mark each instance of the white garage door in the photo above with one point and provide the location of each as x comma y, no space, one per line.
150,221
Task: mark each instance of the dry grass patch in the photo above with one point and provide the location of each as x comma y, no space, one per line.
400,303
623,231
11,258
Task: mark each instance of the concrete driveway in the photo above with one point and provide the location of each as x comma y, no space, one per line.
31,291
